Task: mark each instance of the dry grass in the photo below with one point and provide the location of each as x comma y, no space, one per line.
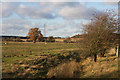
103,66
59,40
34,52
65,70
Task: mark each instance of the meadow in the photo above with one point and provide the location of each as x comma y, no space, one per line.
18,52
40,60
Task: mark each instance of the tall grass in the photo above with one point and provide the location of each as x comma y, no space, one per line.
66,70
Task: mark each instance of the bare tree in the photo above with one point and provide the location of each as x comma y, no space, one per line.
99,34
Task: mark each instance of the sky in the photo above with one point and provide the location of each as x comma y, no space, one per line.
61,19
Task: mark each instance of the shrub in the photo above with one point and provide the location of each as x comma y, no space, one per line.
67,40
50,39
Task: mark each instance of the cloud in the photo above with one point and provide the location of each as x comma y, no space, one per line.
77,12
111,0
65,29
60,4
15,27
59,0
54,0
49,10
6,9
46,10
34,12
111,3
23,10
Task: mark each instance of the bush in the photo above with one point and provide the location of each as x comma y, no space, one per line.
67,40
50,39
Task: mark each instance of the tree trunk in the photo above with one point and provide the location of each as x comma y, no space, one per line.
102,55
34,41
95,57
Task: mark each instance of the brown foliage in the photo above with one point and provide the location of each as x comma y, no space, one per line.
34,34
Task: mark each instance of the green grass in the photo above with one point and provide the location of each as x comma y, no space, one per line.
15,52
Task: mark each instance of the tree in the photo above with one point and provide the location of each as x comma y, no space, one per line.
50,39
40,37
77,36
99,34
34,34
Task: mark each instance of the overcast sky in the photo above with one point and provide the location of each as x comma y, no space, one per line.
61,18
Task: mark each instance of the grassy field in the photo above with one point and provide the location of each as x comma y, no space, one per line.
22,50
29,60
17,53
